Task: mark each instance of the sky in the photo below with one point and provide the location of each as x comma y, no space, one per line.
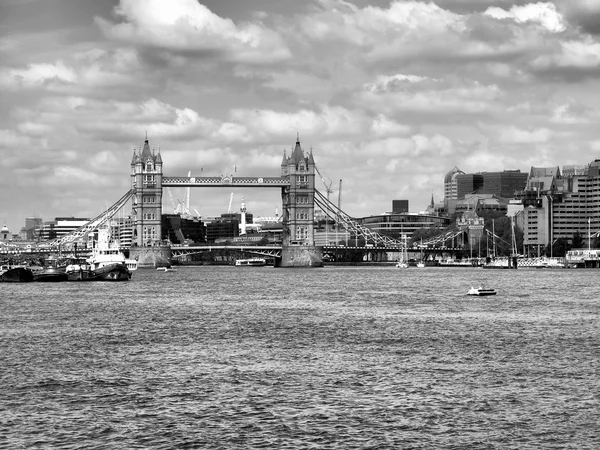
389,95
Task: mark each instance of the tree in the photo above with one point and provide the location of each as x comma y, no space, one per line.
558,249
577,240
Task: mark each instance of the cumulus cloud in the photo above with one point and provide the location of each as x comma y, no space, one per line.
544,14
188,27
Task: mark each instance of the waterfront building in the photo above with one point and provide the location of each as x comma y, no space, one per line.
222,230
61,226
558,206
179,230
397,225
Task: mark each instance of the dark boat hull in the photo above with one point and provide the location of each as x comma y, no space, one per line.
17,275
51,275
112,272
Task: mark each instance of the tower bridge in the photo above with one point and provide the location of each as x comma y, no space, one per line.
298,193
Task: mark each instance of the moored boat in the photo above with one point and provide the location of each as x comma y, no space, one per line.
52,271
17,274
251,262
107,263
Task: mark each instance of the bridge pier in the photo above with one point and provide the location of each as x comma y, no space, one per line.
151,257
300,256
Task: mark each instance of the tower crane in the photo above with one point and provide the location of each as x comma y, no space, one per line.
175,207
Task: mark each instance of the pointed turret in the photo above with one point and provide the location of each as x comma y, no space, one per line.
432,204
284,160
298,153
311,160
158,157
146,153
134,158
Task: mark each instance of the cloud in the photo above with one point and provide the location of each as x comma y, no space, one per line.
582,13
544,14
582,54
188,27
393,94
36,75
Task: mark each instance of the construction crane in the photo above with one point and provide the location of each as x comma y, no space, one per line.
230,201
175,209
340,197
328,189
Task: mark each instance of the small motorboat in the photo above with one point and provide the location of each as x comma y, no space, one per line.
166,269
481,291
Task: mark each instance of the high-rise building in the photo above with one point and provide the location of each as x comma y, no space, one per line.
468,183
450,185
558,206
503,184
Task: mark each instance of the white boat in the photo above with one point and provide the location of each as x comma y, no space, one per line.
166,269
480,291
251,262
421,264
131,264
403,261
107,263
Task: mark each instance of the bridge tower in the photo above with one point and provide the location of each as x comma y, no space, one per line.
146,182
298,201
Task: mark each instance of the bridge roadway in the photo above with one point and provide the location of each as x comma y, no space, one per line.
264,250
275,250
225,180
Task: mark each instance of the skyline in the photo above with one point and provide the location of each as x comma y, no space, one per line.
389,95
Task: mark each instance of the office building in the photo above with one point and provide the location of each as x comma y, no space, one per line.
399,206
450,184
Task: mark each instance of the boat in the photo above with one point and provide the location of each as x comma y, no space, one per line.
15,274
251,262
480,291
107,263
52,271
132,264
421,263
166,269
403,261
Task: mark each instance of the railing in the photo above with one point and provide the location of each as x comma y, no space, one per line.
226,181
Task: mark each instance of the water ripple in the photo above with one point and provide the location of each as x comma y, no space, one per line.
353,358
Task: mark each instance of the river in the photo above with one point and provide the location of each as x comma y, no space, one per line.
332,358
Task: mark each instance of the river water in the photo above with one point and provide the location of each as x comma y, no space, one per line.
331,358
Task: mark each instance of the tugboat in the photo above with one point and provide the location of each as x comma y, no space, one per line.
107,263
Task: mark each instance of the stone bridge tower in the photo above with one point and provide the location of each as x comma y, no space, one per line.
298,201
146,182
